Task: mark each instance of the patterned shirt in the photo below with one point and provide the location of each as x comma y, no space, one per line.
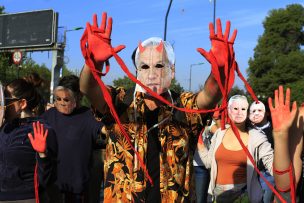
125,181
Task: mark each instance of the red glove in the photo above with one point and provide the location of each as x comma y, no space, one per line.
282,117
99,39
218,45
39,140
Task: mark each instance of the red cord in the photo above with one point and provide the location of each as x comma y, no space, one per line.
36,183
292,181
229,71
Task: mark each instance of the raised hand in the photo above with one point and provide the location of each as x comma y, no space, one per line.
281,115
99,39
38,141
219,44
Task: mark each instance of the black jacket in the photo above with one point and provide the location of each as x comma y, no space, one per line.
18,160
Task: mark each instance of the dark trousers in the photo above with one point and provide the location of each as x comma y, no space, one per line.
202,178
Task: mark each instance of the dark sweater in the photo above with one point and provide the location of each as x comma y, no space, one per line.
18,160
76,134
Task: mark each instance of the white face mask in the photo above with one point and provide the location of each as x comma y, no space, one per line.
65,102
237,111
257,112
153,69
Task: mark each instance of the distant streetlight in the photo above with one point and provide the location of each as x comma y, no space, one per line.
166,18
66,30
214,8
58,61
194,64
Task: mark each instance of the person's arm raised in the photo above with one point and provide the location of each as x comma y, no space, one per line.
99,45
282,119
211,93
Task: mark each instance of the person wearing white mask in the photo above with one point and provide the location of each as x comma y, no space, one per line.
154,162
232,177
258,118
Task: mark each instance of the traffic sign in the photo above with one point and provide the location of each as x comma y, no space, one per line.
17,57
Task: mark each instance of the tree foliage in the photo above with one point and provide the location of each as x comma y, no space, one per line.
176,87
127,83
278,58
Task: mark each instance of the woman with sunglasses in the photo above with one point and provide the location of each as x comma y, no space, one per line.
18,157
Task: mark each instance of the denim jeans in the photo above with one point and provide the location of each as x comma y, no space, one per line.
202,178
268,194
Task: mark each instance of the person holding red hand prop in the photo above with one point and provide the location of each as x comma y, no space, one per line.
20,167
148,154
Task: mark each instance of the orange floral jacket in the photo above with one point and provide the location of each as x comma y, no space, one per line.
125,180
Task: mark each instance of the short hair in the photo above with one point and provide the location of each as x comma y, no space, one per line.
70,82
154,41
237,97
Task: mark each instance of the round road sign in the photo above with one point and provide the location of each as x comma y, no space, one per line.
17,57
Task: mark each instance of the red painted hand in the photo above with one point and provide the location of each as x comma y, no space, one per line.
38,141
99,39
282,117
218,45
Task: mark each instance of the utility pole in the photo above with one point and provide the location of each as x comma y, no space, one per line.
194,64
166,18
214,8
58,61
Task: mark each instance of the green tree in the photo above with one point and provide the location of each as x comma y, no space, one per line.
125,82
236,90
175,86
278,58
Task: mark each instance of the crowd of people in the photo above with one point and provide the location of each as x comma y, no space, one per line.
160,146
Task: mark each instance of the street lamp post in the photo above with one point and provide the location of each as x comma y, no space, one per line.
58,61
194,64
65,31
166,19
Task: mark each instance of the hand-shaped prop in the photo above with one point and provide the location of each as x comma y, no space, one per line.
96,43
222,59
282,119
38,141
96,48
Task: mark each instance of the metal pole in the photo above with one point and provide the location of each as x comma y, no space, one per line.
58,62
166,18
190,77
214,5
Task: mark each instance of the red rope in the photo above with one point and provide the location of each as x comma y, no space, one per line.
237,134
229,71
36,183
292,181
108,98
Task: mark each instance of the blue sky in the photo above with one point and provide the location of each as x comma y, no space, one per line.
136,20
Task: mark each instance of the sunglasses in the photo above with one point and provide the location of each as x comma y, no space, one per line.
59,99
10,100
